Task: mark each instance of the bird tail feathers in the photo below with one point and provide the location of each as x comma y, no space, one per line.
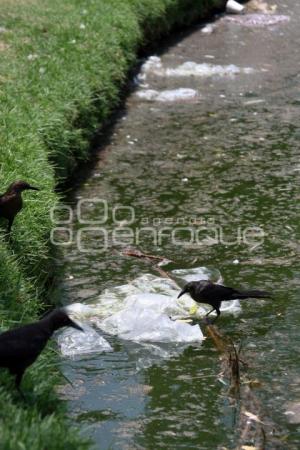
254,294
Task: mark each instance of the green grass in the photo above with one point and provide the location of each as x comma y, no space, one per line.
63,66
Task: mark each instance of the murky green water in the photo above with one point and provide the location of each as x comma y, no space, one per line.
230,159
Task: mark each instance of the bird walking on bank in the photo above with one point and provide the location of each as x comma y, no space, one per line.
20,347
205,291
11,201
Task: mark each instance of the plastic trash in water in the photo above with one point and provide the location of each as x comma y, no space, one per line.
196,274
233,7
202,273
154,66
147,355
140,292
147,318
79,310
73,342
145,311
208,29
170,95
258,20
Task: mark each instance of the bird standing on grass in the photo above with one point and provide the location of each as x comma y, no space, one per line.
205,291
20,347
11,201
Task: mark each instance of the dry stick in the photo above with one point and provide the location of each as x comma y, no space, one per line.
138,254
251,428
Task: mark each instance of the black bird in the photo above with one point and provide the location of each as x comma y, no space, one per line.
20,347
205,291
11,201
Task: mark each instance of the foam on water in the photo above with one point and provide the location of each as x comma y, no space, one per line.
257,19
146,311
169,95
154,66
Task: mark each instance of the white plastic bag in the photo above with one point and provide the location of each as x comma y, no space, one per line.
146,318
145,311
74,342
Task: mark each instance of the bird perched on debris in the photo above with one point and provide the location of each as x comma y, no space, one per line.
205,291
20,347
11,201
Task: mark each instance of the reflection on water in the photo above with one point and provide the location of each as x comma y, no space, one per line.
223,171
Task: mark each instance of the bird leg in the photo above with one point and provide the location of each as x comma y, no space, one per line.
9,237
217,311
21,394
18,382
218,314
207,321
10,222
214,309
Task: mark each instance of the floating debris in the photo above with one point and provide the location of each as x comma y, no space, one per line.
233,7
171,95
257,20
259,5
145,311
72,342
154,66
146,318
254,102
208,29
293,412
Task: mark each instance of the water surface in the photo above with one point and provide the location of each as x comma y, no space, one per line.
216,166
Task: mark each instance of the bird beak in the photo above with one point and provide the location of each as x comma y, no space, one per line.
181,293
75,325
33,188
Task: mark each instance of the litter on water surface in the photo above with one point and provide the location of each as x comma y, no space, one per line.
170,95
154,66
73,342
146,311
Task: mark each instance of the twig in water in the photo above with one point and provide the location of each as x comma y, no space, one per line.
139,254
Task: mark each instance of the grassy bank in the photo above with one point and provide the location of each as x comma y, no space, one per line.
62,67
